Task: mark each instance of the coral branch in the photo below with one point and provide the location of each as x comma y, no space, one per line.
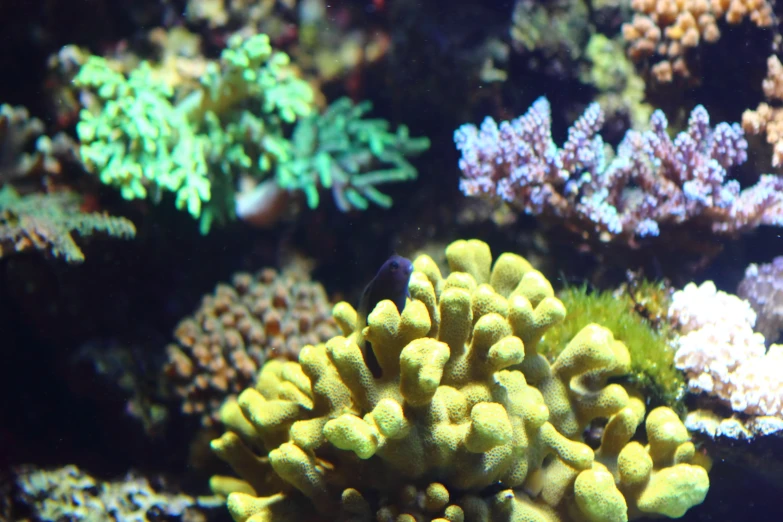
652,182
45,222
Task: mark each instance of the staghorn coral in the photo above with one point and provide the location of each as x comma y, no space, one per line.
663,32
465,405
762,287
768,119
45,222
723,357
69,493
239,326
655,185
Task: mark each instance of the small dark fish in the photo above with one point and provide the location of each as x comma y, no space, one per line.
391,282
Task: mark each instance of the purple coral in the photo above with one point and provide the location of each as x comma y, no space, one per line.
762,287
652,182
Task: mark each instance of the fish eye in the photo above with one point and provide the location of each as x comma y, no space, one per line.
395,265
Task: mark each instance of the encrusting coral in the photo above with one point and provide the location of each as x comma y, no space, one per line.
239,326
466,422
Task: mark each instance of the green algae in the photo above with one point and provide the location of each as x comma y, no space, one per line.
638,317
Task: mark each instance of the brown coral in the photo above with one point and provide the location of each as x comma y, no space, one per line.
664,30
47,222
766,118
220,348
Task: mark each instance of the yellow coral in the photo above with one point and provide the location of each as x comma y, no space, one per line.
464,404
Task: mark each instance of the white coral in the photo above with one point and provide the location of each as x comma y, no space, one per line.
721,354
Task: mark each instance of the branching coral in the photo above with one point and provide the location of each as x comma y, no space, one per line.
140,139
664,31
144,136
219,349
768,119
342,151
654,184
45,222
137,139
465,405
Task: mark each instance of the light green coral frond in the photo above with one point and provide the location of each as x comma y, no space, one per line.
137,140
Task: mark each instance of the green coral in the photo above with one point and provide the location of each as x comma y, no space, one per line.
145,137
45,222
139,138
464,403
558,29
648,341
342,151
611,72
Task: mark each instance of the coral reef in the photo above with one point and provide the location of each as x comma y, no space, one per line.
237,328
45,222
69,493
654,186
762,287
723,357
466,422
663,33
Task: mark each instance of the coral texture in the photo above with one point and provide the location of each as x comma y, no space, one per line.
762,287
722,355
663,32
655,184
69,493
464,406
45,222
768,119
220,349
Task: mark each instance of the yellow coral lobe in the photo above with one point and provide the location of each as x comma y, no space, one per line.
598,498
